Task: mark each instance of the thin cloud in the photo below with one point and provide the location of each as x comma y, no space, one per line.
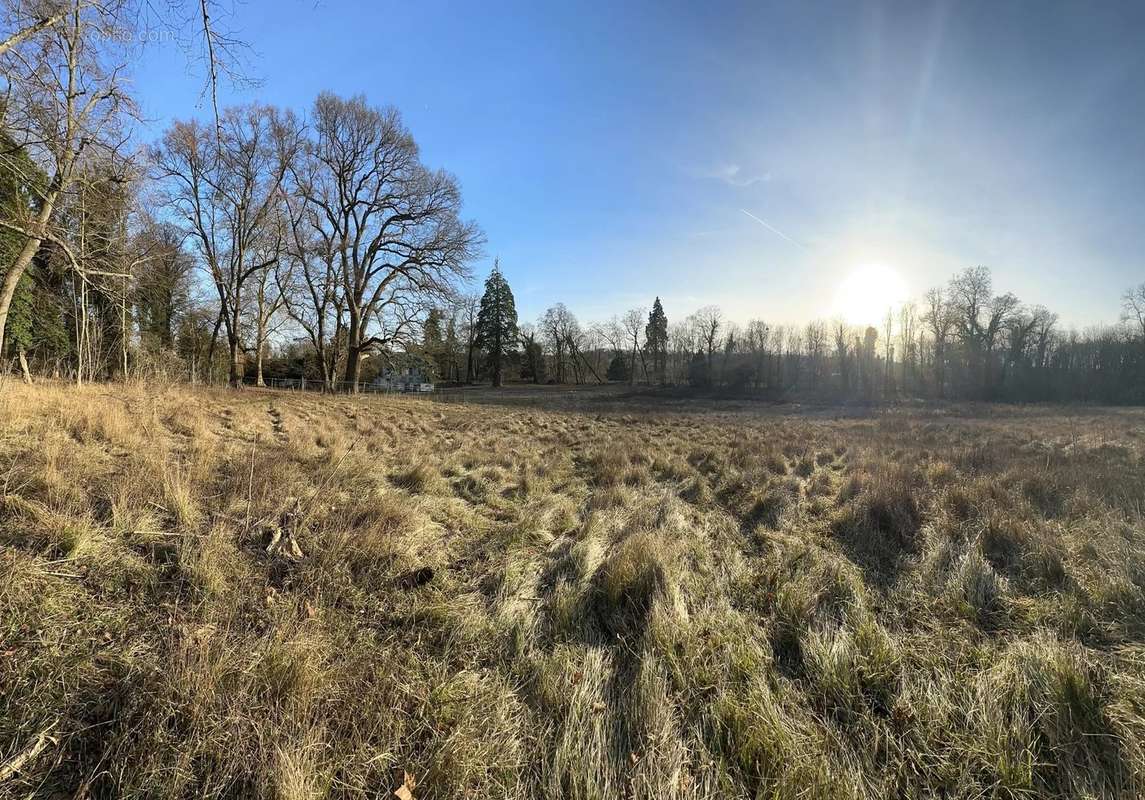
734,175
774,230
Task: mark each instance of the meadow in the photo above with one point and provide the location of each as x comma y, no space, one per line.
271,595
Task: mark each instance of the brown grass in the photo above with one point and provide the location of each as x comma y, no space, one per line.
523,603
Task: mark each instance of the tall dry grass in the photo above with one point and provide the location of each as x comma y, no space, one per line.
206,594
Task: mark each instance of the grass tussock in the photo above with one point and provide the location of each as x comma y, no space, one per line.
206,594
880,519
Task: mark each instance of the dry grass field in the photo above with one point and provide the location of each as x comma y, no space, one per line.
208,594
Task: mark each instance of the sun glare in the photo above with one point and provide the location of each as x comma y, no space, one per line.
864,296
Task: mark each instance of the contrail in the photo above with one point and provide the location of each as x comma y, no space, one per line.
777,232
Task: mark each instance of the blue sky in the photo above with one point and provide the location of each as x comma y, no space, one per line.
609,151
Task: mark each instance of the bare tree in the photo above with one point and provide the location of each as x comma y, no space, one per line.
908,316
980,316
681,346
793,352
557,326
268,299
469,304
227,197
707,321
1045,322
888,351
612,334
843,335
562,333
632,324
939,318
756,337
1133,309
593,343
815,337
394,225
307,281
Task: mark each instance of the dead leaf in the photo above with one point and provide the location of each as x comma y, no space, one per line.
405,791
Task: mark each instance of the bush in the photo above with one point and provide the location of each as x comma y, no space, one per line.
618,369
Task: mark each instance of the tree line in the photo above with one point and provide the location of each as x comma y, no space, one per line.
960,341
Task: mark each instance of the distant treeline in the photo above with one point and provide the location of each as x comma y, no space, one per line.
962,341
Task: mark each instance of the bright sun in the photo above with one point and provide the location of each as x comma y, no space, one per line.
867,292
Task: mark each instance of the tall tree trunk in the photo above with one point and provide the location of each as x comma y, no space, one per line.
81,333
123,330
235,374
353,351
32,245
353,368
20,265
329,370
234,348
22,356
260,345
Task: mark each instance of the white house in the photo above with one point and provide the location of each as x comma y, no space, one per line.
402,379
